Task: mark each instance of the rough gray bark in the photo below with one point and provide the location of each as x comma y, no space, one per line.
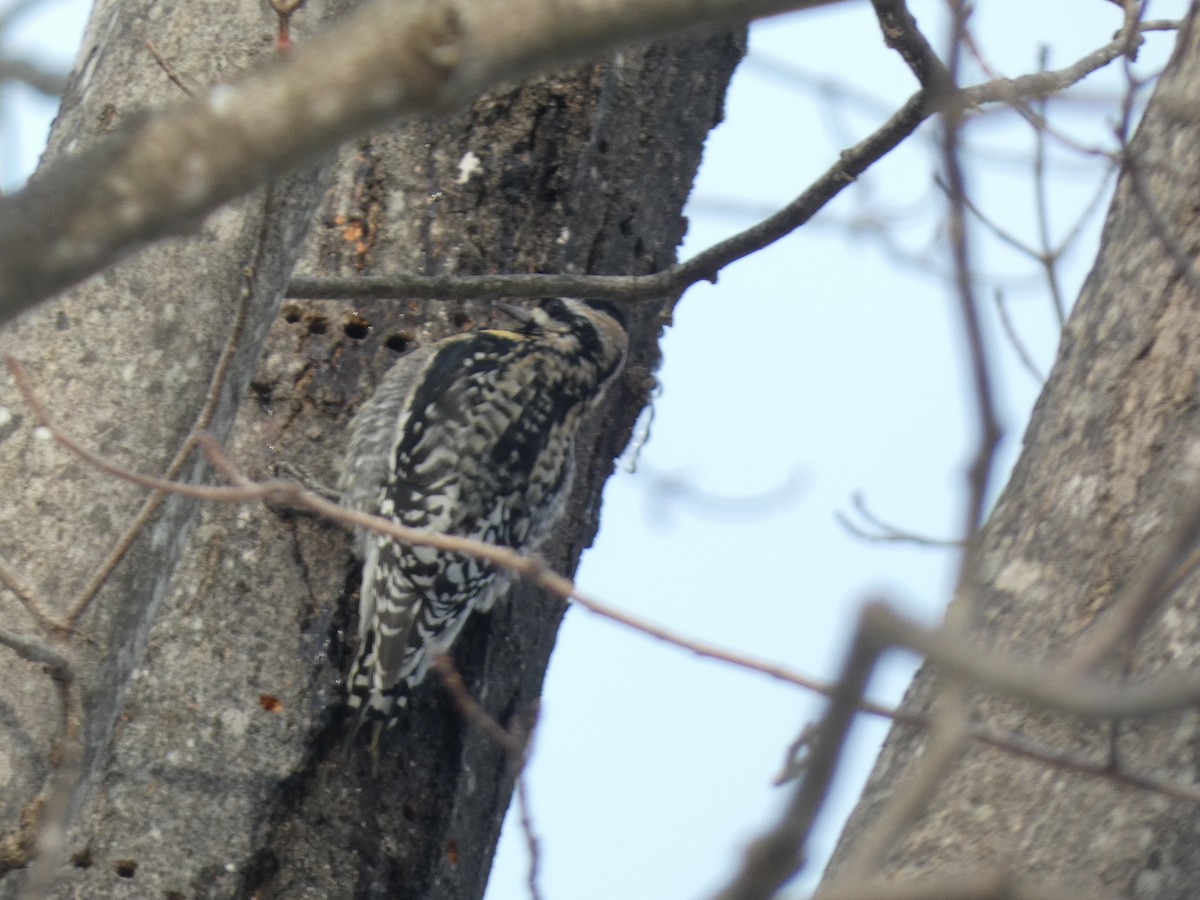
224,777
126,359
1111,444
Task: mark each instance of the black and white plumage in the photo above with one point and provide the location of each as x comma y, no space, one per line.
471,436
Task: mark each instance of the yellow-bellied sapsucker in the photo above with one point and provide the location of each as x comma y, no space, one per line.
470,436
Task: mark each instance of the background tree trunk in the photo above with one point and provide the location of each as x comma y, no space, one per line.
224,774
1110,448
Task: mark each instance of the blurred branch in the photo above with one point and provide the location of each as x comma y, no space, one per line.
514,743
469,708
707,265
37,652
1174,557
661,490
774,857
885,532
45,81
1010,331
1059,688
947,734
881,627
162,174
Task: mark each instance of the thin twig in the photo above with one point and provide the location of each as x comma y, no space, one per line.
50,847
167,69
470,709
514,745
991,224
1051,687
36,651
1048,256
708,264
1102,191
947,733
885,532
1014,339
1174,556
28,598
532,843
774,857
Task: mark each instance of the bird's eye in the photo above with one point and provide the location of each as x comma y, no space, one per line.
609,309
555,308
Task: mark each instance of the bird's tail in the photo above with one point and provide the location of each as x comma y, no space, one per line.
369,701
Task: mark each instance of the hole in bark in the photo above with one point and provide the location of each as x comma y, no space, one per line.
291,313
82,859
398,342
318,325
260,392
356,327
125,867
460,319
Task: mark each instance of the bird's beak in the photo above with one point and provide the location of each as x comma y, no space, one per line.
520,313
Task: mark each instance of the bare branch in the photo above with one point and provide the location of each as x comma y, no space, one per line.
27,597
885,532
1010,330
469,708
162,175
290,494
531,839
1175,556
707,265
948,727
515,745
37,652
773,858
42,80
50,847
169,70
1052,687
884,627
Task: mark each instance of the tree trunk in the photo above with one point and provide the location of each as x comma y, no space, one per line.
224,776
126,359
1109,450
